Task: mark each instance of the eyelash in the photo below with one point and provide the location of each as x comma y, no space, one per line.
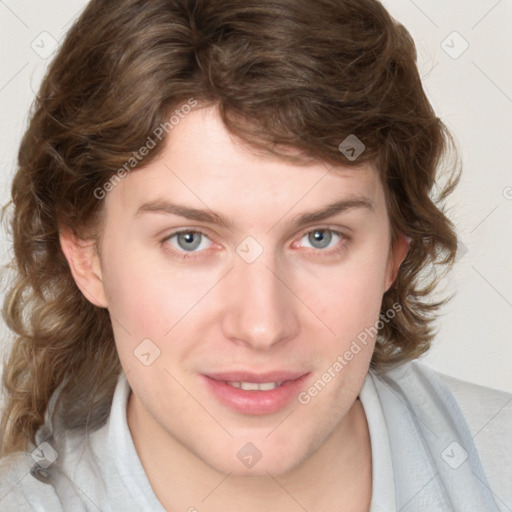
321,252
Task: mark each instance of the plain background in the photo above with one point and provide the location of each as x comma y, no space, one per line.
470,89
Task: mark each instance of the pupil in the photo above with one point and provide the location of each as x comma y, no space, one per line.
320,237
187,242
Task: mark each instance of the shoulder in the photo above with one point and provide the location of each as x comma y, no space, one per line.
486,412
483,408
22,492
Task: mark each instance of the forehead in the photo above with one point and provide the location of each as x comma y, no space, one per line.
205,166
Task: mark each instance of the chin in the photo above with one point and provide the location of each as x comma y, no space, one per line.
251,461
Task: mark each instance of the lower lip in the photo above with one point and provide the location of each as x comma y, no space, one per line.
255,402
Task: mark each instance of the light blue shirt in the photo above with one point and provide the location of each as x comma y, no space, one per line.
438,444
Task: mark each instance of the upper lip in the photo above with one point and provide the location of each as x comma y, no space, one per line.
246,376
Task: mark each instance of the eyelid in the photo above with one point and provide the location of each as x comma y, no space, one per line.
203,231
344,238
177,231
184,255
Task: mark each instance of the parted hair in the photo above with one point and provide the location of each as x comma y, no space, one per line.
299,74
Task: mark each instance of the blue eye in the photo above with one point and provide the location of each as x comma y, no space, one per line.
192,244
322,238
188,241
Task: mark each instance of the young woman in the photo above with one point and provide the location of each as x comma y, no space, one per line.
223,220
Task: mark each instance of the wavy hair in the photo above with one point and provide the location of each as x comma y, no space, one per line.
301,74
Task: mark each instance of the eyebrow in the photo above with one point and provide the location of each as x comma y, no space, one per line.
208,216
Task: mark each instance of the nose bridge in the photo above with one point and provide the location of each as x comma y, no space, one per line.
260,311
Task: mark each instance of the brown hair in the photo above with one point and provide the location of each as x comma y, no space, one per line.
303,74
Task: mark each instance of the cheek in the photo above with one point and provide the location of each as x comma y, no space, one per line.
347,297
138,297
148,296
135,297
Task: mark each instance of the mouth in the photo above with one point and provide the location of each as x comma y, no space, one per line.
255,386
257,394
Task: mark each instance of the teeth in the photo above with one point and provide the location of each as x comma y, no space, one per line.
256,386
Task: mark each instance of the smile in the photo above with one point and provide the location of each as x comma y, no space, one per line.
256,386
255,394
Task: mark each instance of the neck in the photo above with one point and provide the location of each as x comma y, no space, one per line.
337,476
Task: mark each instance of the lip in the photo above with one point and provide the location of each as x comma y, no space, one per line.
255,402
246,376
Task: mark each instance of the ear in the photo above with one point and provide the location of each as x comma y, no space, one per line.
397,254
84,263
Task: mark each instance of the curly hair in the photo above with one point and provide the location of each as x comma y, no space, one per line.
301,74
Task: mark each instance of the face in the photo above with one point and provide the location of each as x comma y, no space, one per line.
216,267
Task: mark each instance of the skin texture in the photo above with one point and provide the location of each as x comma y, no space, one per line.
296,307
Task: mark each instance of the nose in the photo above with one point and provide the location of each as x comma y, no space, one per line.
261,308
